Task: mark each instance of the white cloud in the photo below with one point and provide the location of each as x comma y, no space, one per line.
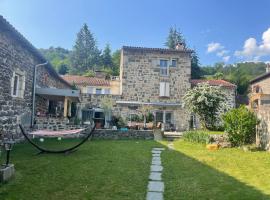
252,50
226,58
222,53
213,47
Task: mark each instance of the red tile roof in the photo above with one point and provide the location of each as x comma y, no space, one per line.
213,82
84,80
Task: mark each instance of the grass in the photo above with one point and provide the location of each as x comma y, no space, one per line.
193,172
99,170
119,170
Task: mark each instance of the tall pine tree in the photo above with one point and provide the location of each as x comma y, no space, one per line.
174,37
85,55
107,57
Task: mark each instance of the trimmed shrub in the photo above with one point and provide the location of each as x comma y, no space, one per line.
240,124
197,136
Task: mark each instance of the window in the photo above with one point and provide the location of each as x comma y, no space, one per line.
164,67
107,91
90,90
174,63
164,89
98,91
18,84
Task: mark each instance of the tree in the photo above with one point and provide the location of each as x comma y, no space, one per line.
174,37
116,62
207,102
240,124
63,69
107,57
195,66
107,106
145,110
85,54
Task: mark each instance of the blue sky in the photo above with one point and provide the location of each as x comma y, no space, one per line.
217,29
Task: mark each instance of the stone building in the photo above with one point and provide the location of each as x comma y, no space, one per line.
93,90
259,102
156,78
18,59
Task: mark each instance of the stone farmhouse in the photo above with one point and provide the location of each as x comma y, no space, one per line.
149,77
152,78
19,69
259,102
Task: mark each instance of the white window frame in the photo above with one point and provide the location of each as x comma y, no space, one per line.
90,90
20,86
101,90
164,89
162,68
107,90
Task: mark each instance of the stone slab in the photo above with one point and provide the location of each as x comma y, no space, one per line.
156,155
156,159
158,149
156,186
155,176
155,151
156,168
156,162
7,173
154,196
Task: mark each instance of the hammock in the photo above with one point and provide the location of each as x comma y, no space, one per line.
56,133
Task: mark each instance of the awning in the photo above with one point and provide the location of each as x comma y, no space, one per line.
58,94
137,103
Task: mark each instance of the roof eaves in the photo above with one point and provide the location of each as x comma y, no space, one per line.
29,46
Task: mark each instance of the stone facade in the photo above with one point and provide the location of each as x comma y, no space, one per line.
141,78
259,102
17,54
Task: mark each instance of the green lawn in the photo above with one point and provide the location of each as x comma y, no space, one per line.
99,170
119,170
193,172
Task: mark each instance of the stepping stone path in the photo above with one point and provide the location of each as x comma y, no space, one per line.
170,146
155,185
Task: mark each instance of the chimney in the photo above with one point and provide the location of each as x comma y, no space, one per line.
179,46
267,68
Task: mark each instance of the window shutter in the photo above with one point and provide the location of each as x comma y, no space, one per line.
90,90
167,90
162,89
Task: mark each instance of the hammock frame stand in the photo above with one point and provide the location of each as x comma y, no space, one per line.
50,151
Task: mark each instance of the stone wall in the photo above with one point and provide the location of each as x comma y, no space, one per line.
264,85
231,98
263,129
56,124
17,54
122,135
140,80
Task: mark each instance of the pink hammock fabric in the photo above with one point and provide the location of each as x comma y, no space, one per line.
56,133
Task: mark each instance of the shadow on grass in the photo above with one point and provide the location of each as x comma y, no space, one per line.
187,178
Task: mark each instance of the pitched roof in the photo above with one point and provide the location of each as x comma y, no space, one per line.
84,80
7,27
161,50
213,83
261,77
